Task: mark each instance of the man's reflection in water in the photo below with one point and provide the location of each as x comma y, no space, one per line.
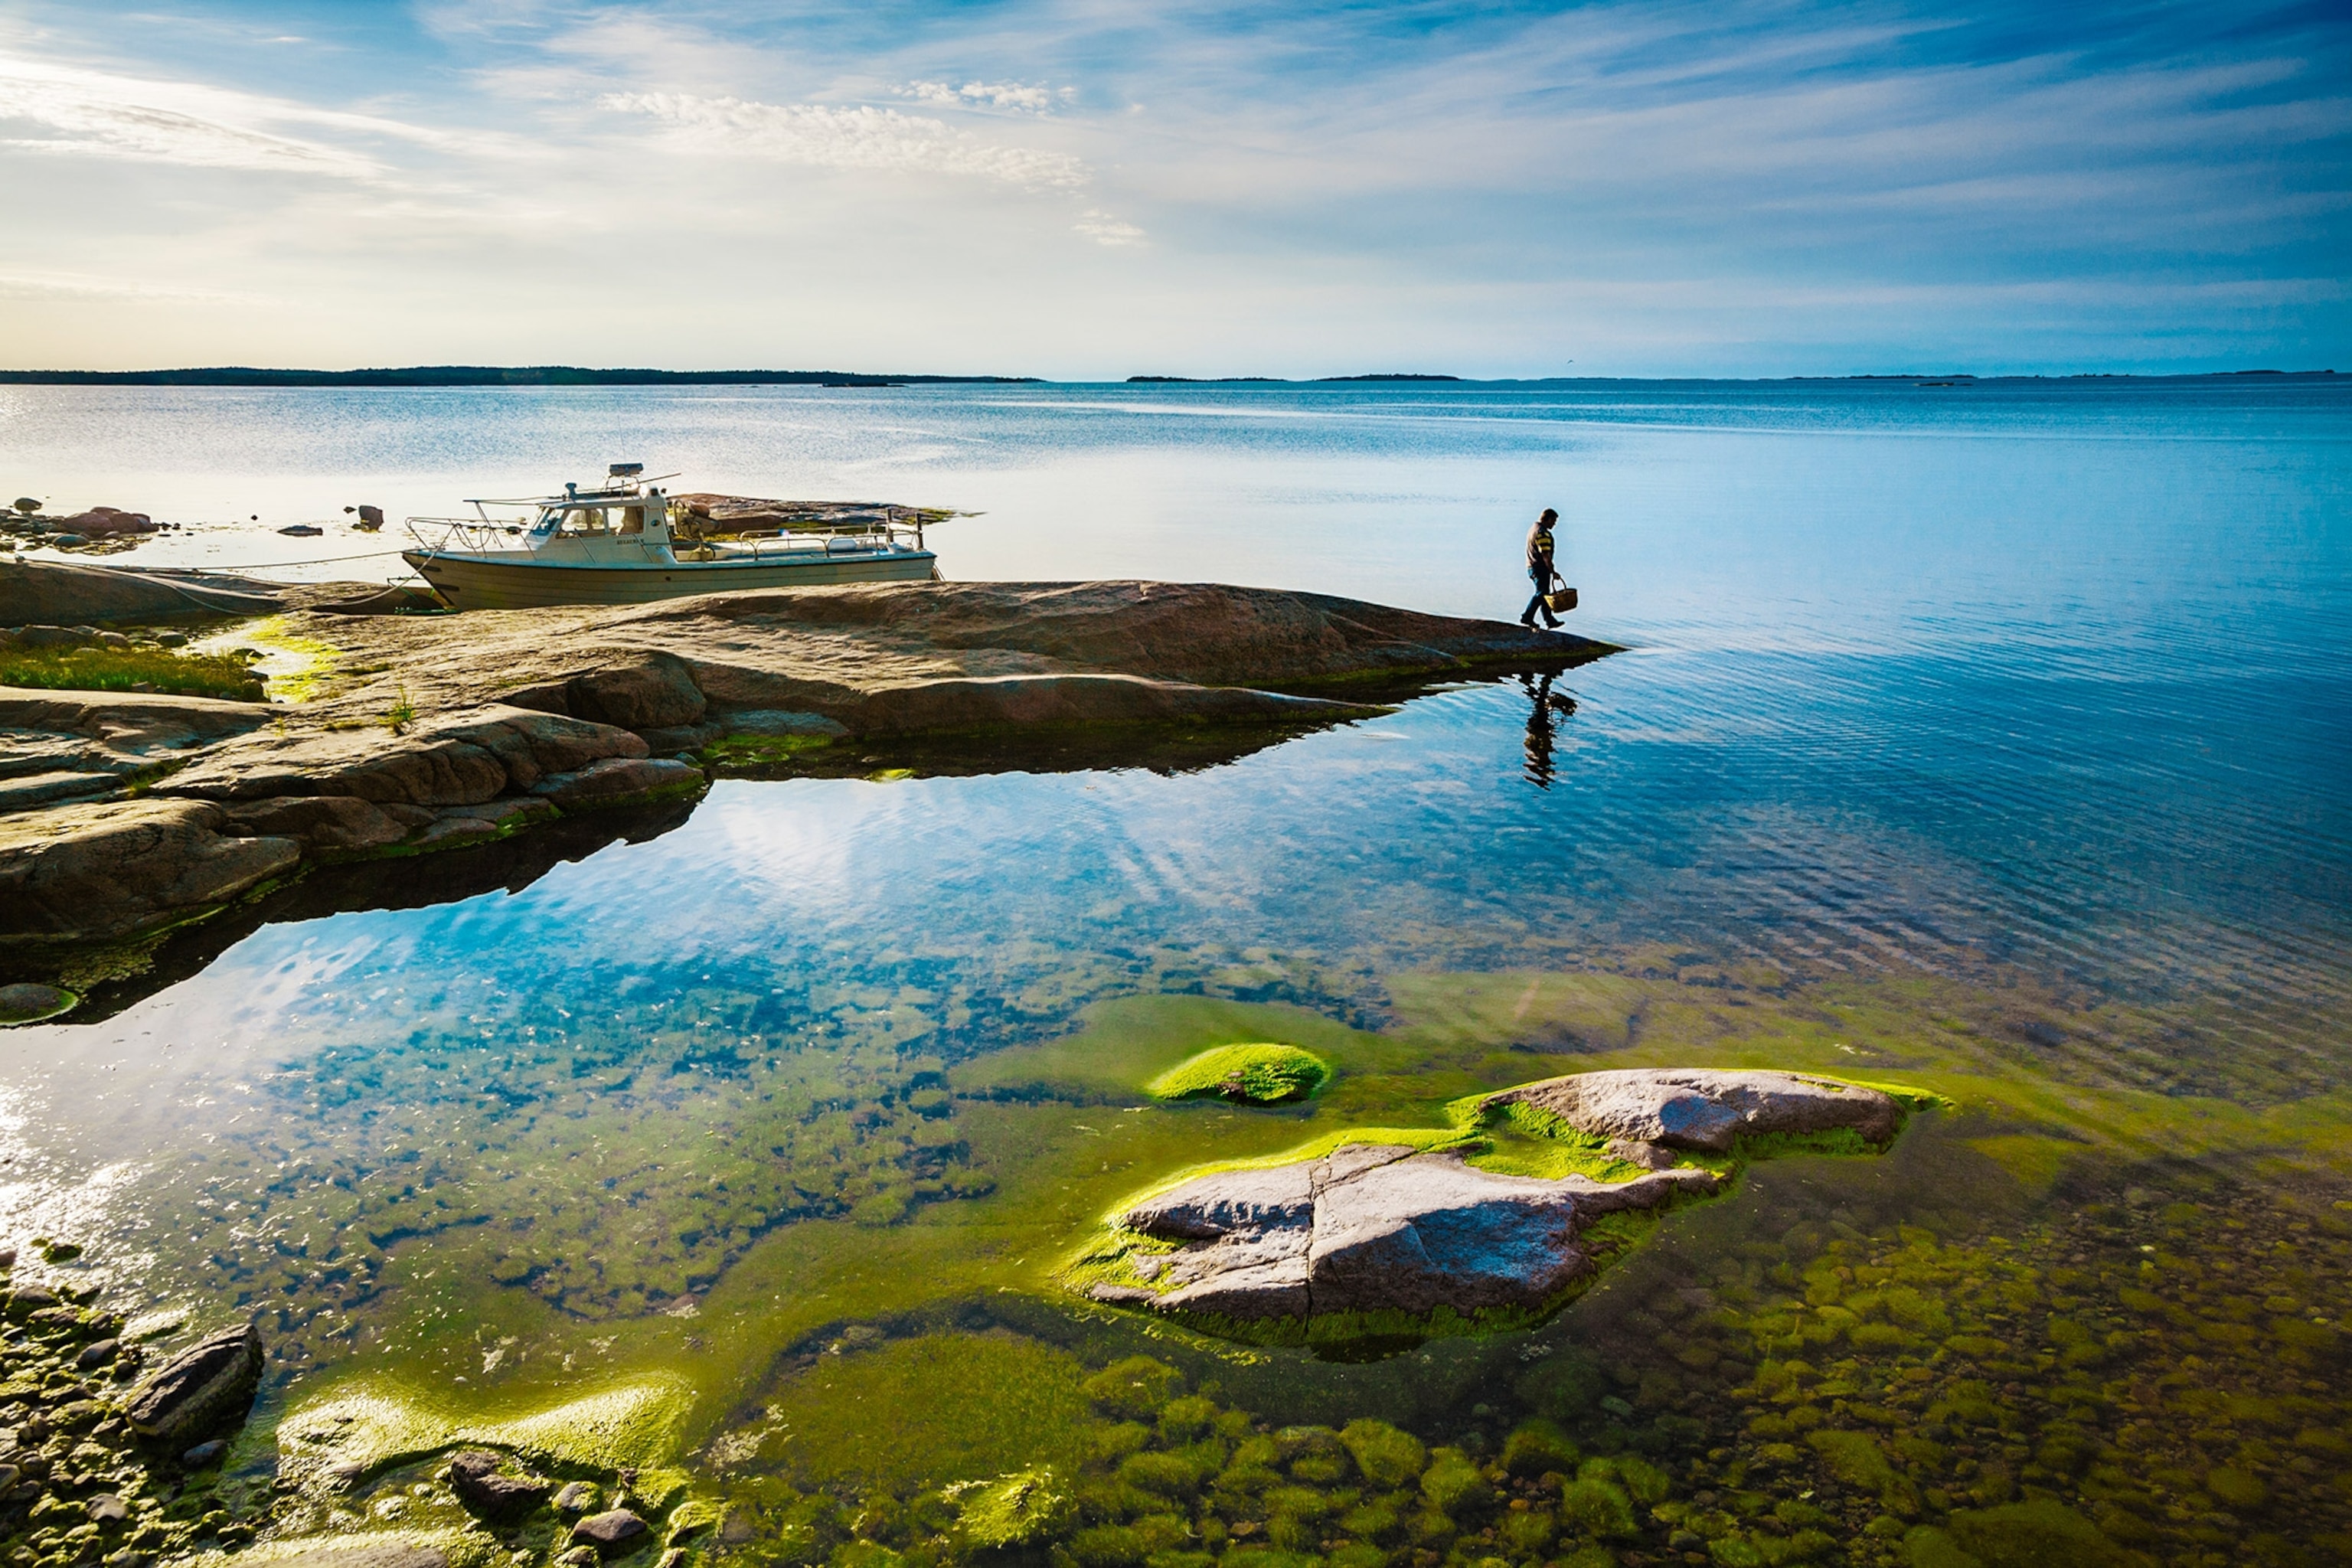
1545,704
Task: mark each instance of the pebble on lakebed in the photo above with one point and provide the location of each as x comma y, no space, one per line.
1384,1224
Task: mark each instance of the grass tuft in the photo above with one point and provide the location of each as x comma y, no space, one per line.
124,668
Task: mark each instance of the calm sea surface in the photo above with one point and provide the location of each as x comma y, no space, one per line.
1996,737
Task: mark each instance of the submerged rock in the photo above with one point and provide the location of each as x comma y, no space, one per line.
1684,1108
1377,1227
208,1385
361,1552
475,1476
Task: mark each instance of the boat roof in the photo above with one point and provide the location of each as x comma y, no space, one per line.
620,487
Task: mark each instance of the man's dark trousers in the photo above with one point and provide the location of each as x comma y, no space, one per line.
1541,577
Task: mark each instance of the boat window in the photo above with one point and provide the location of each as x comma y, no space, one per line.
585,520
633,519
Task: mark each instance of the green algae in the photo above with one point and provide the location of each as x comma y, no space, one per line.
752,756
461,1546
1010,1512
961,1407
298,669
1256,1074
624,1427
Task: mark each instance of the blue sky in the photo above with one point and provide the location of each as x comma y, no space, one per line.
1077,189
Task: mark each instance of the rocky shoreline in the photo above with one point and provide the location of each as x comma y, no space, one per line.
106,1460
130,812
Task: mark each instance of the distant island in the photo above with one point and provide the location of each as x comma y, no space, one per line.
483,376
1273,380
429,375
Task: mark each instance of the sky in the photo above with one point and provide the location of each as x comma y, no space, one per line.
1084,190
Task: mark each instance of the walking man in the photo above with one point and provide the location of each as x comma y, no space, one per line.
1539,570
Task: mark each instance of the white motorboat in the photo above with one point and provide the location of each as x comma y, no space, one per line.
629,543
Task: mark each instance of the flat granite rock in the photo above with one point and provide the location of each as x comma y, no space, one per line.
1690,1108
115,868
1373,1227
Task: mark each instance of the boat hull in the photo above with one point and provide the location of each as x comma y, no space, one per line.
472,583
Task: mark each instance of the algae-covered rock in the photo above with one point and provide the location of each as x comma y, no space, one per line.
26,1002
1136,1386
1012,1511
1388,1457
1245,1075
2030,1534
689,1518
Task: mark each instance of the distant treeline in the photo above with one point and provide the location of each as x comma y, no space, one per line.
1275,380
479,375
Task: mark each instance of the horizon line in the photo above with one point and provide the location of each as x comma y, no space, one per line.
494,376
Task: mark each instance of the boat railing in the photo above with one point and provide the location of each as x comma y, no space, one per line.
470,535
861,540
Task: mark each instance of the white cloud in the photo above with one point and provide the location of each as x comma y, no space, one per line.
822,136
1019,97
104,114
1104,229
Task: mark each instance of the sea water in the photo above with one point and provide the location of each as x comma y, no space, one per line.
1989,738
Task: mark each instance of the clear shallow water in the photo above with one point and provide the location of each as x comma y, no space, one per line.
1994,737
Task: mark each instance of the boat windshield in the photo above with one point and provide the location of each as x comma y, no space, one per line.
591,520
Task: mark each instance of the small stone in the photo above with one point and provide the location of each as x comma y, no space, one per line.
204,1454
98,1354
578,1557
106,1508
672,1558
28,1300
576,1498
474,1476
610,1532
125,1558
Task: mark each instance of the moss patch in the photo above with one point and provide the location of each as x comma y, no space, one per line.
1245,1074
298,669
